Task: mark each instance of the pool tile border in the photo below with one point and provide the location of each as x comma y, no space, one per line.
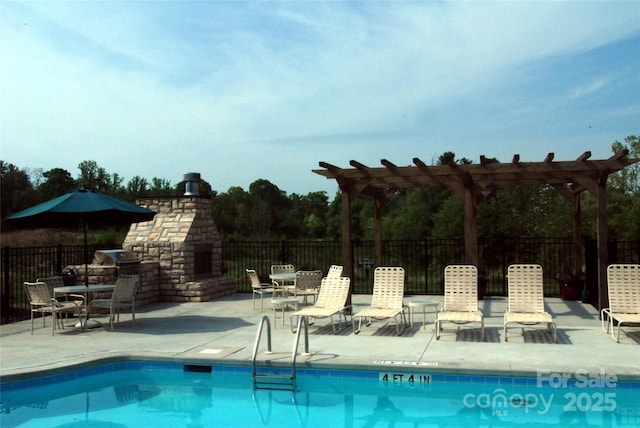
361,374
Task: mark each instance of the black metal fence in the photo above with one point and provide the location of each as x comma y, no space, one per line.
423,260
27,264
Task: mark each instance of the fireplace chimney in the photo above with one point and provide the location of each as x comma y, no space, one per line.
191,186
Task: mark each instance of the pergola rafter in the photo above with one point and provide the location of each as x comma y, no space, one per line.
473,183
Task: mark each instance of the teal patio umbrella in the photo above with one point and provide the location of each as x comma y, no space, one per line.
84,207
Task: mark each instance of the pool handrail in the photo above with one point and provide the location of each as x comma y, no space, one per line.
265,318
302,320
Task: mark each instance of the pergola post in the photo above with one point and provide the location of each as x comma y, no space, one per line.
602,242
378,230
577,233
470,228
347,248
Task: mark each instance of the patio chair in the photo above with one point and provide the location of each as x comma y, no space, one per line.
259,288
284,286
525,303
623,281
53,282
307,284
41,301
387,300
335,271
57,281
122,298
460,298
331,301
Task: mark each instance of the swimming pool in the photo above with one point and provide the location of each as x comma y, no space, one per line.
159,394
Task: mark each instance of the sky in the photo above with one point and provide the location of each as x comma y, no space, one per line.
242,90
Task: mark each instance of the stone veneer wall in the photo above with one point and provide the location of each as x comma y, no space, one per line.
169,242
97,274
147,291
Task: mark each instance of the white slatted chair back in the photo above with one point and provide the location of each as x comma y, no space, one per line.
282,269
526,288
461,288
335,271
623,281
333,293
388,288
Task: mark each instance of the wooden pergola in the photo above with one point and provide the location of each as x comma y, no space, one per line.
473,183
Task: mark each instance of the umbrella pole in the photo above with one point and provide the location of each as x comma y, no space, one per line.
86,253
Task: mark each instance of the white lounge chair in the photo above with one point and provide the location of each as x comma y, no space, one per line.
460,298
122,298
623,281
259,288
42,302
335,271
526,299
387,300
331,301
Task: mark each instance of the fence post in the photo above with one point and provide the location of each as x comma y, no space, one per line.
59,260
426,266
282,244
7,297
503,255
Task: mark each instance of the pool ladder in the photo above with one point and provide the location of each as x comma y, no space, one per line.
268,379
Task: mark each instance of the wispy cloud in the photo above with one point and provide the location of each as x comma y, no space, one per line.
589,89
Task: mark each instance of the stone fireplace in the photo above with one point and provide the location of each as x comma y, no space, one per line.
180,249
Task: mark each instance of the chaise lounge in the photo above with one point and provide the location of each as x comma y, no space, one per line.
460,298
526,299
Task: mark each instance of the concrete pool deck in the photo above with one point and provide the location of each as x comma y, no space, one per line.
224,331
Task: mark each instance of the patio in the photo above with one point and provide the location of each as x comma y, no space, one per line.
224,330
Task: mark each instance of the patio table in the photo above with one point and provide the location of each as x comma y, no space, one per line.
86,290
416,304
282,280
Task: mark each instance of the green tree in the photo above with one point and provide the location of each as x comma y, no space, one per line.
448,222
525,211
410,213
269,204
57,182
623,193
116,189
362,226
413,213
315,206
232,213
291,223
137,186
362,218
334,218
16,191
94,177
161,187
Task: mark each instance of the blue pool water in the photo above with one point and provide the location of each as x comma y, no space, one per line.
135,394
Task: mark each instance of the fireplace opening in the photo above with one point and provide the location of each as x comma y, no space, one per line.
202,261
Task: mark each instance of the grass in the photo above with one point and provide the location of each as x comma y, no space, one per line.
47,237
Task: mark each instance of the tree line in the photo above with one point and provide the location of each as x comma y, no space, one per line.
266,212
